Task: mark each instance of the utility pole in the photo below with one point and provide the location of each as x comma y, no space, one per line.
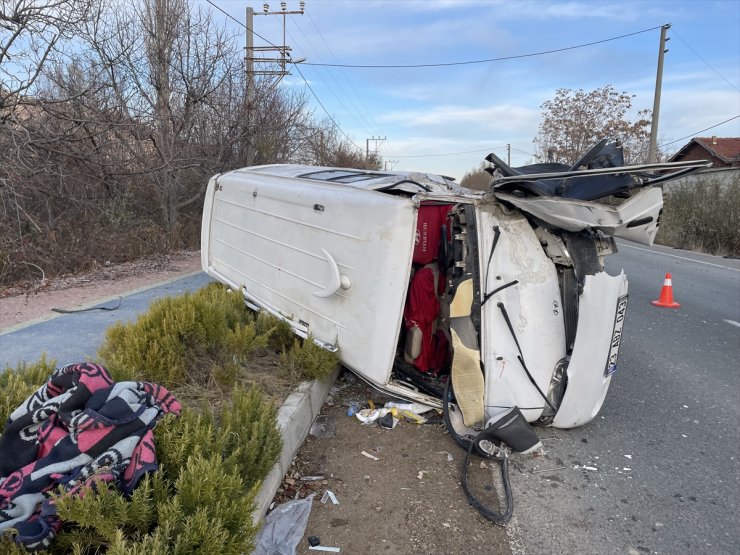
391,162
378,142
653,148
250,85
508,154
282,62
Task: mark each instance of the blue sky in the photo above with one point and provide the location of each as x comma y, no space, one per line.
430,114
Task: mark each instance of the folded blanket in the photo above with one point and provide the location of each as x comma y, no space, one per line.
78,426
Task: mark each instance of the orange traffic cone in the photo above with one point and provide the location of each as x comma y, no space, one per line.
666,295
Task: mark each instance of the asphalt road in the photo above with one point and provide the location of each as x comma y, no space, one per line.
663,454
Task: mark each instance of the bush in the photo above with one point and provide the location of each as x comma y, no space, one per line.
211,460
703,215
306,360
17,384
202,498
179,340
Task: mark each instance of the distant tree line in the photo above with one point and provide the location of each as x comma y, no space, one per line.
113,115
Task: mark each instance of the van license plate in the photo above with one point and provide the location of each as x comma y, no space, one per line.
616,340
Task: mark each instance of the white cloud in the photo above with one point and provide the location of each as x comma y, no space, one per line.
461,119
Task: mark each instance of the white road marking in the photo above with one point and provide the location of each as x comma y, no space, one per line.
681,257
732,323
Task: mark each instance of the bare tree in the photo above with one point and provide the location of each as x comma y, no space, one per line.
574,121
31,33
111,148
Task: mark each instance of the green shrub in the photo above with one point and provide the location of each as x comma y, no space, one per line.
17,384
245,436
702,215
308,361
279,333
179,340
202,498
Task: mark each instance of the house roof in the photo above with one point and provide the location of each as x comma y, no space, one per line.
726,149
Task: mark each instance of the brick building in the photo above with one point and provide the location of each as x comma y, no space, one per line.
723,152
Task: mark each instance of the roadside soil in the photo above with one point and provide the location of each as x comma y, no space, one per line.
30,301
408,501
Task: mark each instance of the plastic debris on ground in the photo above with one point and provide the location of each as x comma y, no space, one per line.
324,548
417,408
324,426
388,421
329,496
369,456
369,416
283,528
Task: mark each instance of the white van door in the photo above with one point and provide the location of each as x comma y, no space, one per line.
332,259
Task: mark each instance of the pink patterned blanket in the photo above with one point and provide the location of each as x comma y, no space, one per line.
78,426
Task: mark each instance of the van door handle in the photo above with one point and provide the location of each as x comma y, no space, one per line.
336,280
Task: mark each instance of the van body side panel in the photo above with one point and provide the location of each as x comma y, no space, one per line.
533,307
289,243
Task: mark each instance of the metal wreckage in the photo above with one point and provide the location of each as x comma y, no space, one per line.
492,305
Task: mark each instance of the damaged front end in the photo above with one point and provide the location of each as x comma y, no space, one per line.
574,212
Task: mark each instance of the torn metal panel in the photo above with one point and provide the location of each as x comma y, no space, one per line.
635,219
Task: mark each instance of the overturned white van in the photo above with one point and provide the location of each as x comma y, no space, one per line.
413,279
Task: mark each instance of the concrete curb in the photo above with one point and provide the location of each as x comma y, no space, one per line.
295,417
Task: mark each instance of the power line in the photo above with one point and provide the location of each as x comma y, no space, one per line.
344,73
354,112
297,69
227,14
325,110
702,131
706,62
487,60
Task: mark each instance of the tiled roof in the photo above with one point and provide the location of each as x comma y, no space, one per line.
726,149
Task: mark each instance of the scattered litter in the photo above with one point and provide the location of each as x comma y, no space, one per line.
659,525
547,470
684,435
313,541
686,406
324,426
329,495
628,456
410,416
483,464
324,548
446,524
284,527
369,456
421,474
368,416
311,478
353,409
449,455
626,468
388,421
417,408
584,467
371,404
